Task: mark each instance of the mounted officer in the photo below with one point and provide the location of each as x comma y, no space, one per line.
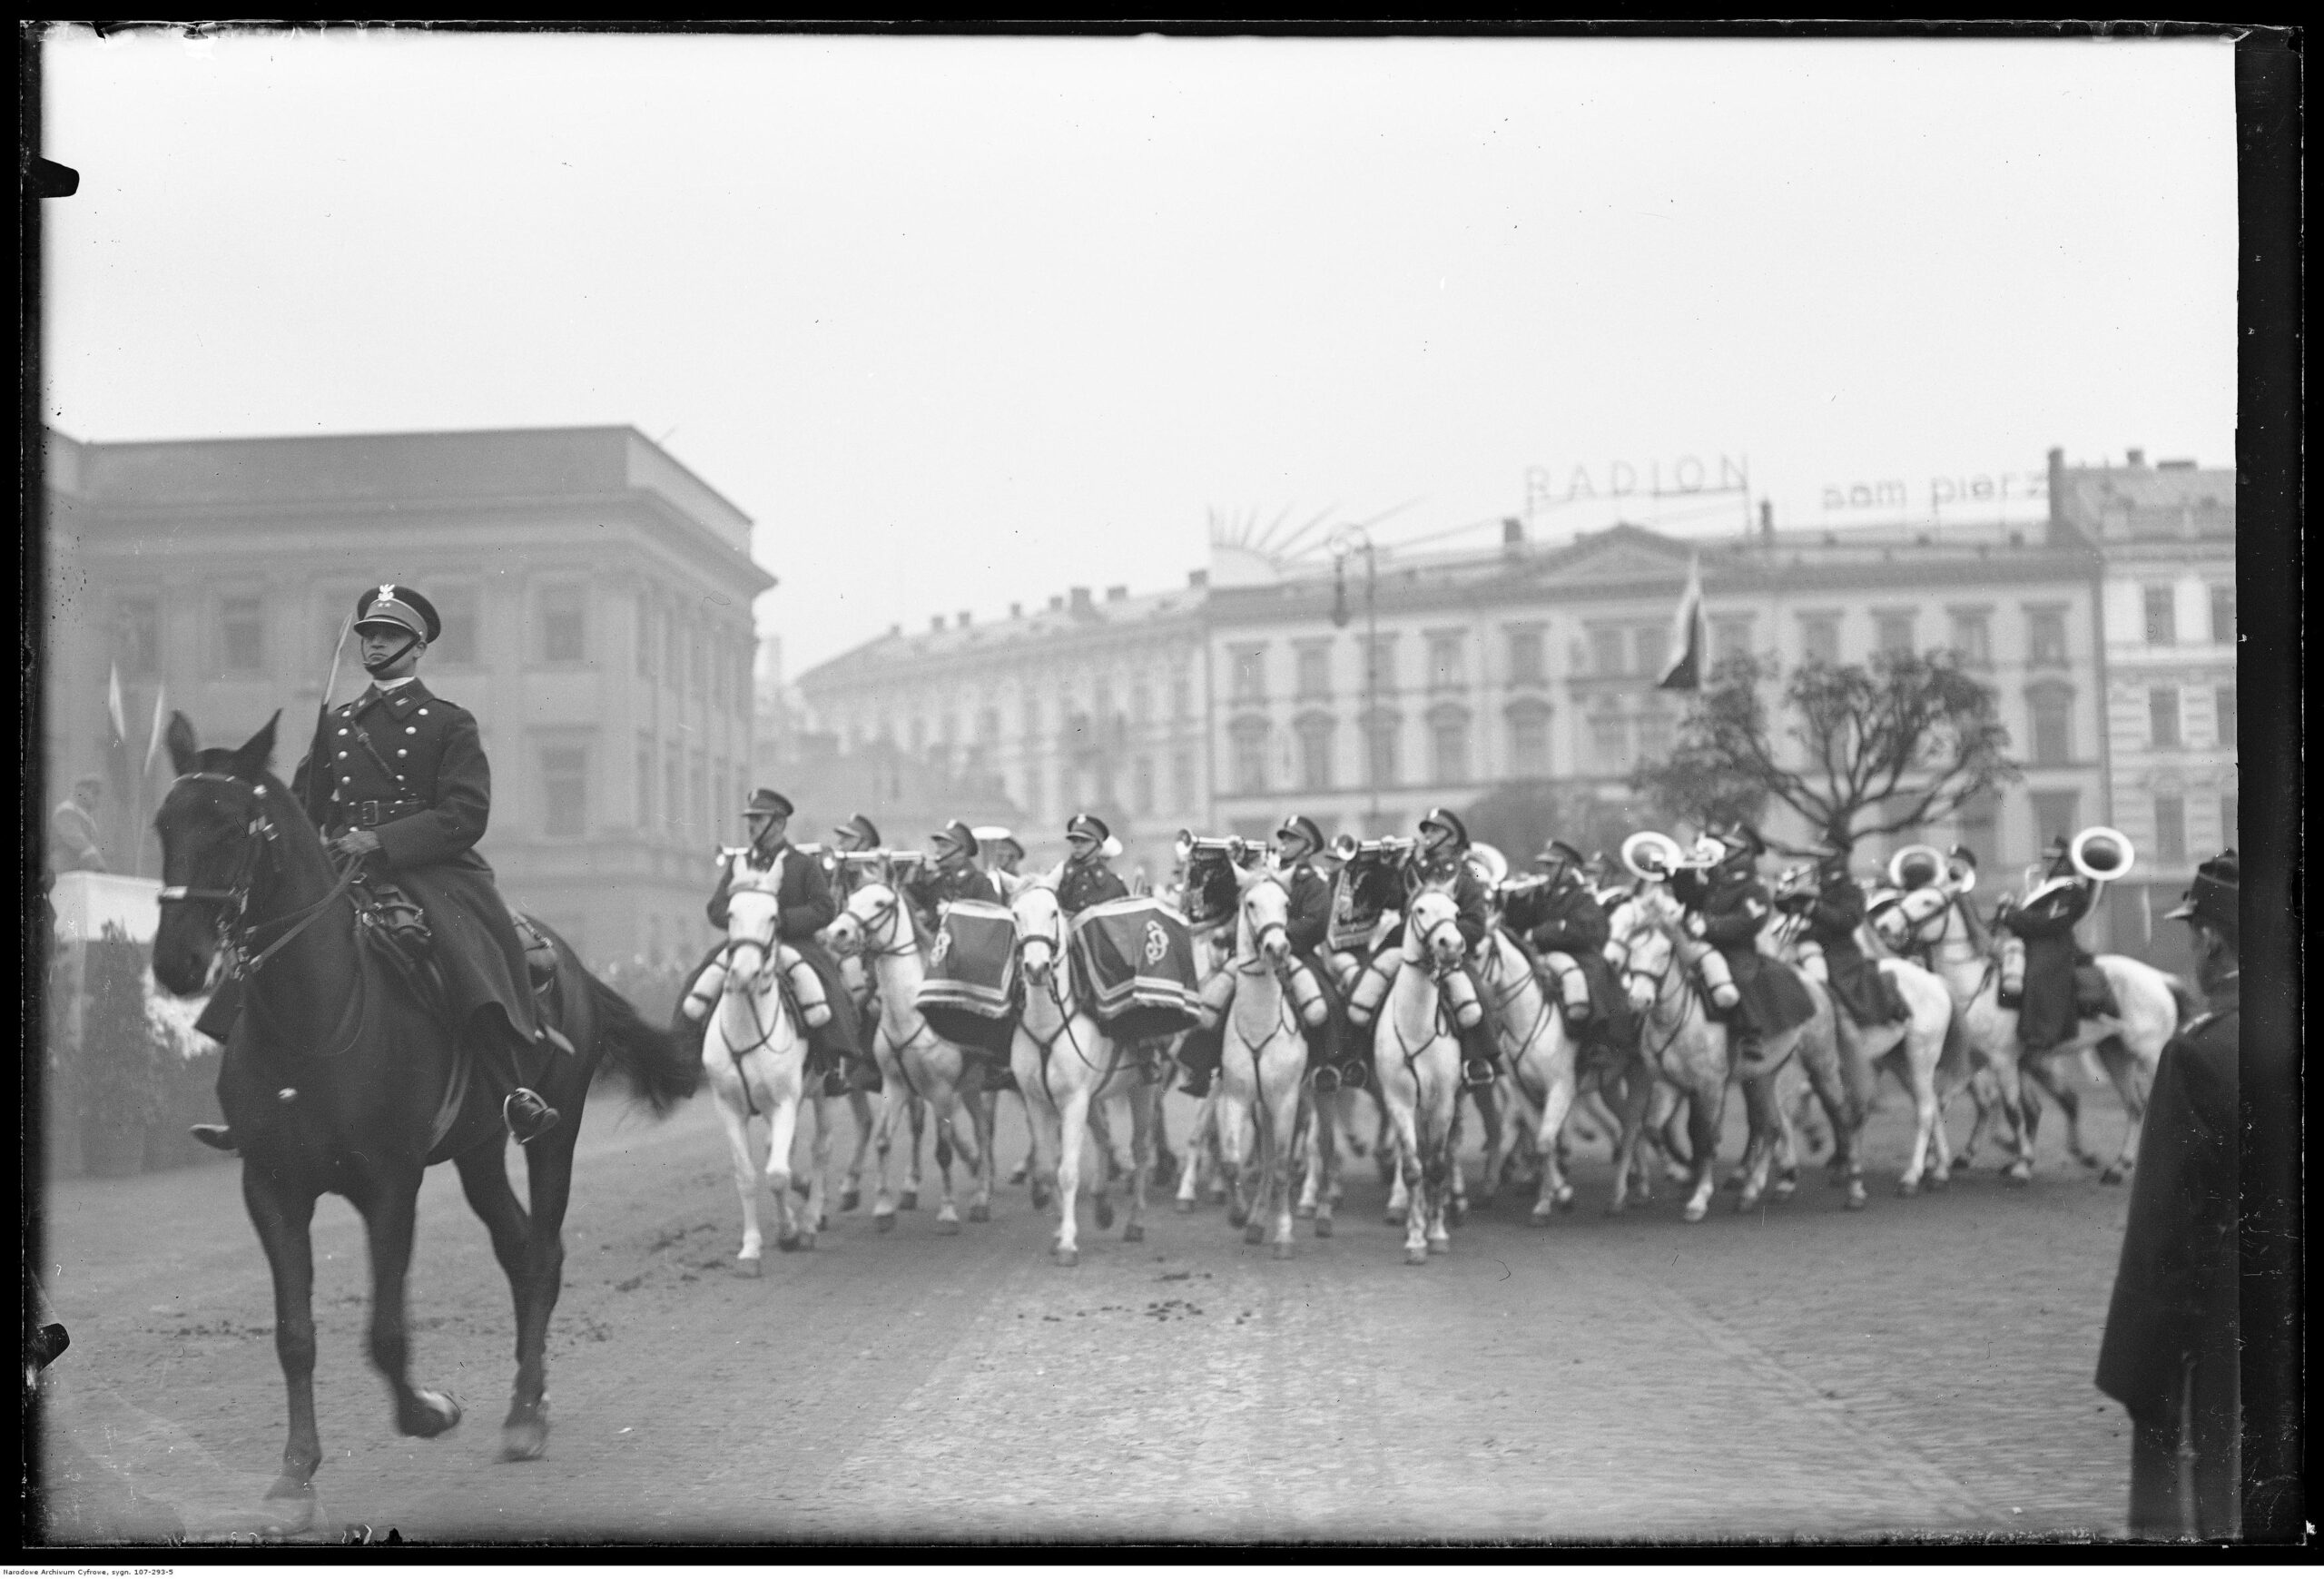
2046,917
804,906
1571,935
1833,910
1441,857
954,875
2171,1352
399,784
1086,879
1728,907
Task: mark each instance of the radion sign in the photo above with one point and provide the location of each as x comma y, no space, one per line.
1548,487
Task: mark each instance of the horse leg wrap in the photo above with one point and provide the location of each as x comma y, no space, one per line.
705,992
1573,987
2013,971
1344,966
1717,979
1462,994
806,987
1812,964
1372,988
1218,995
1306,994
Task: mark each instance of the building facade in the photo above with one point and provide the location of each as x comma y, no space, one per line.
596,597
1089,704
2167,534
1541,665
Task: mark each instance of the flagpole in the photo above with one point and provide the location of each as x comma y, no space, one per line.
322,712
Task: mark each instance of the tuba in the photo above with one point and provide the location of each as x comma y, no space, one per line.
1917,866
2102,854
1652,857
1961,871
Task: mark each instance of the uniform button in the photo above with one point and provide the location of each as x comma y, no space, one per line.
411,729
423,712
342,732
401,752
342,756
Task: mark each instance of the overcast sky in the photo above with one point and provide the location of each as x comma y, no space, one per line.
958,322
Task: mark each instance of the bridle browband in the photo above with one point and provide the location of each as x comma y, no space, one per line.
258,838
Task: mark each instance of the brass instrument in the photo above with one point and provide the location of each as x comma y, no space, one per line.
1237,850
1652,857
1394,847
1488,863
2102,854
1795,886
1917,866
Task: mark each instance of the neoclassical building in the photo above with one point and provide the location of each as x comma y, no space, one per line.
596,597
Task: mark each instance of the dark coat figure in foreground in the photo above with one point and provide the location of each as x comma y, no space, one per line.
2171,1351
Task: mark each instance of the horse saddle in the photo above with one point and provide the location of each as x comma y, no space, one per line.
2093,996
540,954
391,925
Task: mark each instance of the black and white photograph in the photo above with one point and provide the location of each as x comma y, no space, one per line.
1153,787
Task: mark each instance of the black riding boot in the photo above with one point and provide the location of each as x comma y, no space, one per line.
1320,1063
503,1054
1479,1058
1201,1053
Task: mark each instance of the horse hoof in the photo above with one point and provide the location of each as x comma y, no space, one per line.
1281,1252
429,1414
1217,1195
1856,1200
1938,1180
1307,1210
979,1213
1237,1217
2015,1179
948,1225
1186,1208
1017,1174
1068,1258
1786,1189
291,1520
849,1200
1254,1232
1613,1208
807,1241
1440,1247
1543,1212
1135,1234
1105,1209
1393,1218
1322,1228
1415,1256
746,1266
907,1201
2086,1160
786,1243
2111,1176
523,1441
1907,1188
1694,1214
884,1222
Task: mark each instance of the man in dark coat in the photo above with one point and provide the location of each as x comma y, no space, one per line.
1441,857
1833,911
1573,923
398,781
1728,906
2046,918
2170,1355
954,875
804,906
1086,879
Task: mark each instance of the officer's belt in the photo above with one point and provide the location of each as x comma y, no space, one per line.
371,813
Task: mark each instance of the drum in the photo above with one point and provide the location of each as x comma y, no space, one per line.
1133,963
970,994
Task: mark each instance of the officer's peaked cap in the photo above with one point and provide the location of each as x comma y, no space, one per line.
2214,898
957,834
860,827
1449,822
1558,850
393,605
1085,826
767,803
1304,828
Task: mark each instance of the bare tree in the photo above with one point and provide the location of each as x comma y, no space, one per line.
1867,751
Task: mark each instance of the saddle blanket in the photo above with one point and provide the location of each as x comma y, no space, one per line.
1136,961
970,994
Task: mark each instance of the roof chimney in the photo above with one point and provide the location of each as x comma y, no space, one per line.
1767,521
2138,458
1016,611
964,619
1056,601
1513,532
2057,490
1197,577
1081,596
1118,594
896,629
936,622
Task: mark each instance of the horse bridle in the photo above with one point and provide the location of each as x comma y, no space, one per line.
768,948
1659,978
260,840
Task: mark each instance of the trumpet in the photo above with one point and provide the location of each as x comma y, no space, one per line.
1347,847
1797,883
1652,856
1235,848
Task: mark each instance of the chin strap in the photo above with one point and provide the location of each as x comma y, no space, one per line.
392,659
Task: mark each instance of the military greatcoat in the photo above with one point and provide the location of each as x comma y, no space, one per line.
804,907
1083,883
2046,1015
1734,906
1865,993
409,767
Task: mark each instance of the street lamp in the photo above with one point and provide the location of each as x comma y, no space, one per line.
1343,542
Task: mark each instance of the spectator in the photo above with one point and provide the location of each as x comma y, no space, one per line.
73,828
2170,1355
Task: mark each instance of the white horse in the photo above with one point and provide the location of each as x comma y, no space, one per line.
2153,1004
1261,1089
755,1059
1416,1058
1540,1056
915,1063
1068,1068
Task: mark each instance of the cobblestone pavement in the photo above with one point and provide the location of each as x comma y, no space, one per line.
1918,1368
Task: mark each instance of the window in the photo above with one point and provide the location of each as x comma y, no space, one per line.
1182,694
1448,741
1381,666
1525,667
1182,780
745,653
1893,631
1819,638
2161,617
1653,649
674,668
2053,713
561,628
1979,817
137,637
674,802
1250,672
2163,715
1314,751
1032,718
989,724
1730,638
1654,731
2228,822
241,631
645,635
1141,778
1972,637
1447,666
1382,766
1606,651
2169,830
565,792
1250,744
706,825
2045,638
1315,670
645,784
918,735
698,661
2223,715
2055,815
714,648
2222,614
1609,750
1529,741
1141,703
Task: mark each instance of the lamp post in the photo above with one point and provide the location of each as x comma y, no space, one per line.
1343,541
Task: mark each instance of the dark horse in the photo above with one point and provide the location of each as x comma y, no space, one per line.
336,1079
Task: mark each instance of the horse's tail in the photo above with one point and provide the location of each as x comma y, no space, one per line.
656,1062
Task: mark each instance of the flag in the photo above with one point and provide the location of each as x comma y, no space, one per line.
1684,672
120,814
120,735
153,741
